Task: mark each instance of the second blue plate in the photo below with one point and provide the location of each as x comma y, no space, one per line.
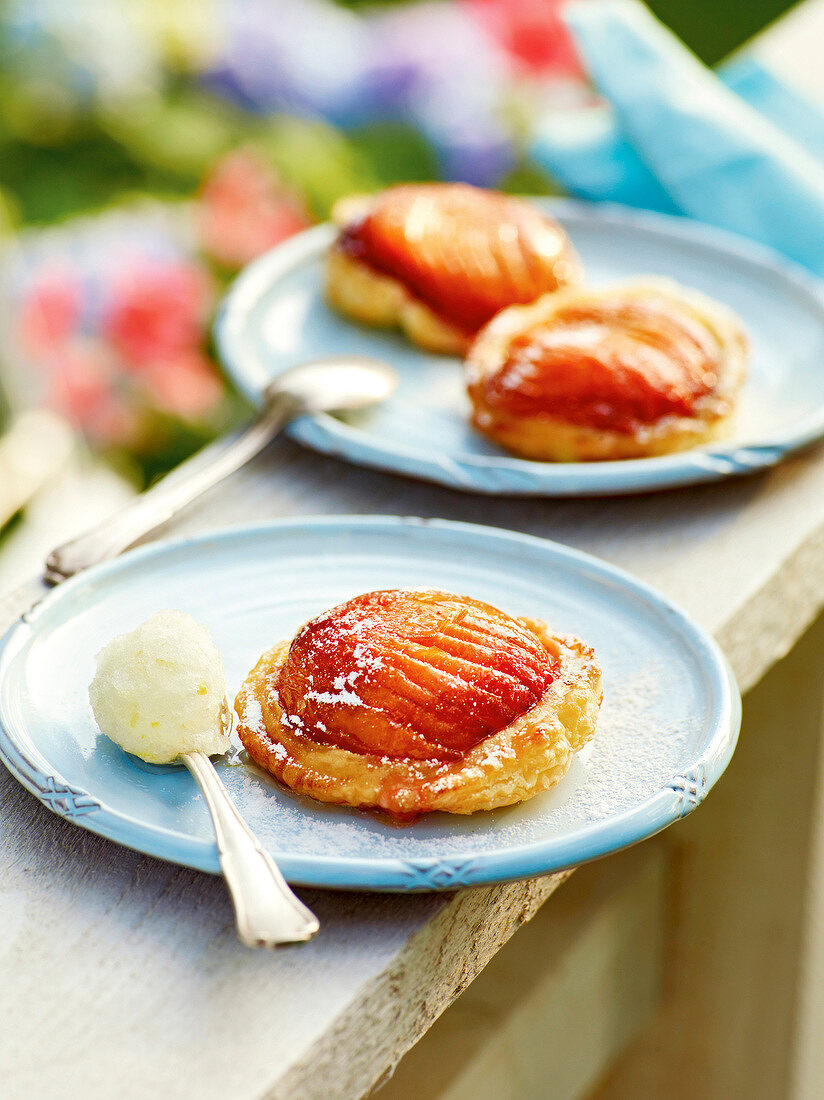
275,316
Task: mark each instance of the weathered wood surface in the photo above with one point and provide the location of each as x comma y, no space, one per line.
122,974
742,1009
561,1001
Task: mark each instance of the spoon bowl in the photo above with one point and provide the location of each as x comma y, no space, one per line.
340,383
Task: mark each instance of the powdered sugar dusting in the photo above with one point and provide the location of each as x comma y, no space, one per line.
365,659
251,714
341,696
633,752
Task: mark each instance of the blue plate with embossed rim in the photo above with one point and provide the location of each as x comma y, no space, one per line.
667,729
275,316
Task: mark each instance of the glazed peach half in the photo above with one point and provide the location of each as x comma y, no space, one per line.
412,701
630,371
439,260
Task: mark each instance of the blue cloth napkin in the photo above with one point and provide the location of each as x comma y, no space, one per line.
739,150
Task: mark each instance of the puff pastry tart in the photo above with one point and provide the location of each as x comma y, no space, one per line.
639,369
441,259
412,701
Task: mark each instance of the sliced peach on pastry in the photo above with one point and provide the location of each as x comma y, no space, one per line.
629,371
441,259
413,701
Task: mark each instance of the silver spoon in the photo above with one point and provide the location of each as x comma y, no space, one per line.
267,913
337,384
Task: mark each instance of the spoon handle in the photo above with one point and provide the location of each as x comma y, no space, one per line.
158,504
266,910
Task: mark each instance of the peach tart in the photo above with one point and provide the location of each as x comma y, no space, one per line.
411,701
439,260
639,369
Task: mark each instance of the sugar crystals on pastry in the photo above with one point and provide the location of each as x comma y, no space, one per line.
638,369
411,701
441,259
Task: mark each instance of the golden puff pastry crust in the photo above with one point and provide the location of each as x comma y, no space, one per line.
439,260
634,370
440,673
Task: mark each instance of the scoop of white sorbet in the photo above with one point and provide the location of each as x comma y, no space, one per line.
160,690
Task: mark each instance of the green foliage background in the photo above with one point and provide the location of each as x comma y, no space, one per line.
49,172
714,28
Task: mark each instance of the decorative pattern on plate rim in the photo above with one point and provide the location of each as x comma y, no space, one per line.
57,796
691,787
755,457
438,874
65,800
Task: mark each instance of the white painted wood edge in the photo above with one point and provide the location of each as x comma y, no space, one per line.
395,1009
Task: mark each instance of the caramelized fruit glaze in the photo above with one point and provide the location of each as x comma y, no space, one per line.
419,701
464,252
423,675
614,364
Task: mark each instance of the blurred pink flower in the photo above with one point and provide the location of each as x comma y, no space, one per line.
532,33
243,210
81,387
49,314
187,386
157,312
119,344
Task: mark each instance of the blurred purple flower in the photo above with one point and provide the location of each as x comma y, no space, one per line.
433,66
303,56
430,65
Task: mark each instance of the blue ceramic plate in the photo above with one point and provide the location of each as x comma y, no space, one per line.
275,316
667,730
